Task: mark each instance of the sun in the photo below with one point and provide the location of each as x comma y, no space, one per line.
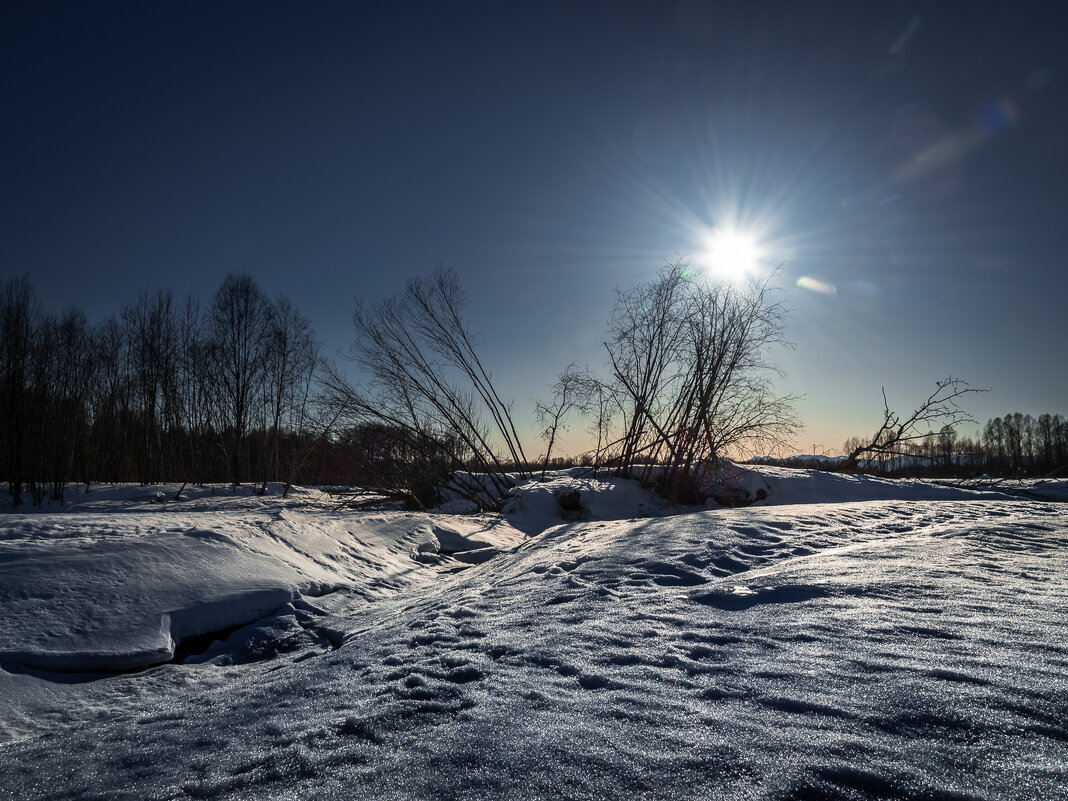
731,253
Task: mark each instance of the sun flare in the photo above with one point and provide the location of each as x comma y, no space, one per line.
731,253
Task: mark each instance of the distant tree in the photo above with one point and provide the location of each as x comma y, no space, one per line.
994,443
947,445
192,391
109,401
1060,442
1012,426
68,427
291,353
853,443
18,314
941,408
969,454
237,324
569,392
1027,442
1045,434
43,390
150,336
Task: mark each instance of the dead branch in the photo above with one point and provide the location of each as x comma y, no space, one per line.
942,408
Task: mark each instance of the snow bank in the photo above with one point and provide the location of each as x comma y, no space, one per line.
791,486
85,591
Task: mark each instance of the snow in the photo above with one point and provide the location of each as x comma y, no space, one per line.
849,637
100,591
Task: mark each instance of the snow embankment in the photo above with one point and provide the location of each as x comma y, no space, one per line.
91,591
790,486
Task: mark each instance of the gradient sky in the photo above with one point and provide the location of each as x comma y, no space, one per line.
906,159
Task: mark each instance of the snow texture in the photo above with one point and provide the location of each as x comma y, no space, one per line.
850,638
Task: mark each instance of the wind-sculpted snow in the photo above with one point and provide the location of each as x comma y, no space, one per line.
881,649
121,591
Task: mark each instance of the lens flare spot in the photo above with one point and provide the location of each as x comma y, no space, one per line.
999,115
815,285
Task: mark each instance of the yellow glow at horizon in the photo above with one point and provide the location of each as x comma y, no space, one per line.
731,253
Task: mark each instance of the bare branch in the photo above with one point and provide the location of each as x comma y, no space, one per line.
941,409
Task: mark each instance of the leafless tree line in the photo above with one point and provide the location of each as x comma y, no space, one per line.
1020,444
688,380
163,391
235,391
1017,445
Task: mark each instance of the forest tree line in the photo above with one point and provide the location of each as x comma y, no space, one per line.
164,390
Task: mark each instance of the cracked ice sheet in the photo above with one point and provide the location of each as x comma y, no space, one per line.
880,649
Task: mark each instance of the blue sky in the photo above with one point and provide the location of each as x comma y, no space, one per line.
905,159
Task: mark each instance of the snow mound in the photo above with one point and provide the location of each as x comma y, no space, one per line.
97,592
536,504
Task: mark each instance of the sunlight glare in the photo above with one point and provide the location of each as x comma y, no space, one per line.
732,254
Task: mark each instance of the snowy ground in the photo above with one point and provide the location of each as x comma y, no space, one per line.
855,638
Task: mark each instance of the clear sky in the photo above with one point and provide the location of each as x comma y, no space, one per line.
906,159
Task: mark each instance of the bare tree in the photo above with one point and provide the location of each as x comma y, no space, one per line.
109,401
435,309
69,416
948,444
645,338
691,372
599,405
940,409
192,397
237,325
290,353
18,314
313,421
569,392
1045,436
424,380
150,333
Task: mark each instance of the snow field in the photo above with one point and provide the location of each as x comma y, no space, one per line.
902,648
